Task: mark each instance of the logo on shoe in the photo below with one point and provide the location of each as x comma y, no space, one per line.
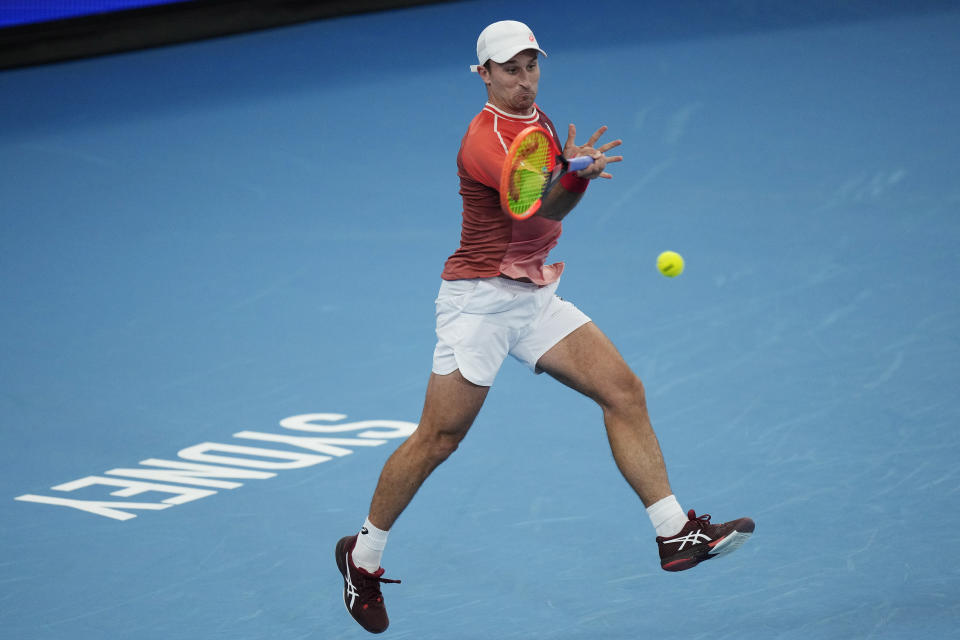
350,591
364,531
694,537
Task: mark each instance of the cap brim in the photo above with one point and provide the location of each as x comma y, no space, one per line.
502,57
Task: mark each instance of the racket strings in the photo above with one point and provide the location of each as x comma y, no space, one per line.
531,167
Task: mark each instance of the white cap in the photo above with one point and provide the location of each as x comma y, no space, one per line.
502,40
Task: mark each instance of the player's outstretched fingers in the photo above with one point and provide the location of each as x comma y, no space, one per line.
596,136
610,145
570,146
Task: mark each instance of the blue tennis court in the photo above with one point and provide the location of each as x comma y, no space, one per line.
218,263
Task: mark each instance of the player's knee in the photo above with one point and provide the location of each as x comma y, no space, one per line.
627,394
442,445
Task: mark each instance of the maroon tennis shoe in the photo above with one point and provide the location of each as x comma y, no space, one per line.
361,589
699,541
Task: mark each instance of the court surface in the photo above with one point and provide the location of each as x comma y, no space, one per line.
202,241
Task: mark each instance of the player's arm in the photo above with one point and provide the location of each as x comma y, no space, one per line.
565,195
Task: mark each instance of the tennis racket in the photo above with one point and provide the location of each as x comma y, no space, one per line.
532,166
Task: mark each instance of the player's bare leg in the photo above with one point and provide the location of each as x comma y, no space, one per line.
587,361
449,409
451,405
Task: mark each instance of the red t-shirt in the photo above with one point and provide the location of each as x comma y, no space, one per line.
491,241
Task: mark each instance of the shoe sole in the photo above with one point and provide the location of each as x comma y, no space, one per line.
729,544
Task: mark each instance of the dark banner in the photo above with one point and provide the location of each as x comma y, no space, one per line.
34,32
21,12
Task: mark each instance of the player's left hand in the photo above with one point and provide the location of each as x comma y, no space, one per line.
598,169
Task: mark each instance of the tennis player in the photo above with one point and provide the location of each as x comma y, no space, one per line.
497,299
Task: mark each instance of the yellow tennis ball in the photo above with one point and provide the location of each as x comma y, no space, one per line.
670,263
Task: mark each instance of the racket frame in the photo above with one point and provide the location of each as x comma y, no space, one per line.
506,174
559,167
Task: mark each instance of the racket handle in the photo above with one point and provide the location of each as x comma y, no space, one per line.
578,163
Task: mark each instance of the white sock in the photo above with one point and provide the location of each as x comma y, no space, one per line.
369,550
667,517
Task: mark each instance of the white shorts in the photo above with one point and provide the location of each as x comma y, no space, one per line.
483,320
